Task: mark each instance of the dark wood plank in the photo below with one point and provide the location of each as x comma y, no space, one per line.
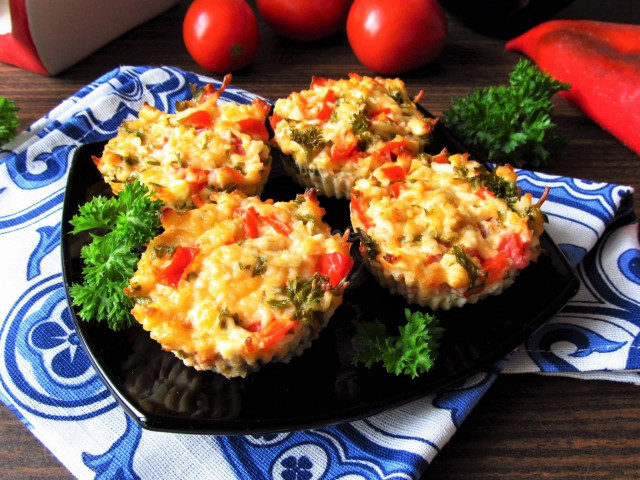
526,426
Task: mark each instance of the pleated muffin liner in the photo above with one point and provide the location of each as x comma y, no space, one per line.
442,298
329,184
239,366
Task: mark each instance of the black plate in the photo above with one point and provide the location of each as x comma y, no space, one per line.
322,386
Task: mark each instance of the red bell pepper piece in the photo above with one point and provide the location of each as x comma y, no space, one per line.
394,188
394,173
495,267
325,111
273,120
198,119
344,150
180,260
269,336
237,176
514,248
278,225
318,81
255,128
250,223
358,209
335,266
601,61
393,146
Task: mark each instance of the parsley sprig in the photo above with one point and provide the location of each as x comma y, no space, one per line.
8,120
131,219
412,352
511,123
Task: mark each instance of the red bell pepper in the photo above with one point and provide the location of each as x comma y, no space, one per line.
325,111
198,119
255,128
180,260
278,225
335,266
394,173
270,335
601,61
250,223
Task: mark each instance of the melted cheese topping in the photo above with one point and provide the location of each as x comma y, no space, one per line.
219,282
436,221
185,156
359,123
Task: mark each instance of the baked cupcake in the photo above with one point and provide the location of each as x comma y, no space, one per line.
240,282
338,131
443,231
202,148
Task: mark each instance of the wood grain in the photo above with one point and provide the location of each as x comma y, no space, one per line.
526,426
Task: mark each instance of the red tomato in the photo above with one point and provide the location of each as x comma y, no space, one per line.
304,20
392,37
221,35
335,266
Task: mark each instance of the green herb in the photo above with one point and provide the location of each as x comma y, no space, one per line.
131,219
500,187
412,352
8,120
260,266
161,250
359,124
303,295
511,123
473,271
137,133
309,139
397,96
370,245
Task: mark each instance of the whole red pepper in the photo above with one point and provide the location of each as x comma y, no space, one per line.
601,61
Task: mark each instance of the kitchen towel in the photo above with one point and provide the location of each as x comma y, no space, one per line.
46,378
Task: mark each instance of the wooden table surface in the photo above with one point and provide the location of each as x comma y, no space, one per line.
526,426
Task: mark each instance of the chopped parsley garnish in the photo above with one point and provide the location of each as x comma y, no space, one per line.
260,267
131,219
412,352
397,96
359,124
473,271
303,295
370,245
500,187
137,133
511,123
309,139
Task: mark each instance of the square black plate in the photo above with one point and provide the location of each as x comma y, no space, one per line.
322,386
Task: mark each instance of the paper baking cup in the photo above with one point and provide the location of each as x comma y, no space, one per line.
442,297
238,366
329,184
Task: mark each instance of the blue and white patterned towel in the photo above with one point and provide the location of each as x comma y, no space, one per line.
47,381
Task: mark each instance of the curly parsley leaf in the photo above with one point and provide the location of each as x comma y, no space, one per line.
412,352
8,120
309,139
131,219
511,123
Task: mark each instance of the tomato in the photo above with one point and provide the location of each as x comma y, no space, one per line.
392,37
221,35
304,20
335,266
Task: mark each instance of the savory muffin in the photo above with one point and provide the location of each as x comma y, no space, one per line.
183,157
240,282
442,230
338,131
